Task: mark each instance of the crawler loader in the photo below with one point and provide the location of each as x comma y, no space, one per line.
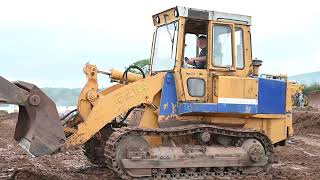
177,120
298,98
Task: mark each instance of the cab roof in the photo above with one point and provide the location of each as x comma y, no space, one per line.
193,13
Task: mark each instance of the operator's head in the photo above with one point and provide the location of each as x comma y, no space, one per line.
202,42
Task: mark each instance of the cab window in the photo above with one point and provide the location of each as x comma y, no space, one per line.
165,47
222,46
239,48
190,46
195,49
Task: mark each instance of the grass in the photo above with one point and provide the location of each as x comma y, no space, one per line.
311,88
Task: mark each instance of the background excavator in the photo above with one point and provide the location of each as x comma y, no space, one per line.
176,121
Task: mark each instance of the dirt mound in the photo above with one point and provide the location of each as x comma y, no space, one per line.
314,98
306,121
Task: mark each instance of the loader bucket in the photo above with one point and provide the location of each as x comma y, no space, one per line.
38,129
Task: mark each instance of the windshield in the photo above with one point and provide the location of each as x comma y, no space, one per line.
165,47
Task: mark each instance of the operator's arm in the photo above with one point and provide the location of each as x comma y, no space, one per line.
191,61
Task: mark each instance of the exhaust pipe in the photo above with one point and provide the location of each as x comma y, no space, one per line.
38,129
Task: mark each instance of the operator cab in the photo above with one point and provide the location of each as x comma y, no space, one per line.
200,47
176,41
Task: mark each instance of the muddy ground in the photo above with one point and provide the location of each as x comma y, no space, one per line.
300,159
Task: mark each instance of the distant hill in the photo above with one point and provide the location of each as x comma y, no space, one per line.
307,78
63,96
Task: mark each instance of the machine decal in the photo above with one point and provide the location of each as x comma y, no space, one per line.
237,101
137,91
237,108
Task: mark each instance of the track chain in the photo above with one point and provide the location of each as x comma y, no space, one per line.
242,134
94,148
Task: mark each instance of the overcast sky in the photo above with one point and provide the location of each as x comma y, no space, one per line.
48,42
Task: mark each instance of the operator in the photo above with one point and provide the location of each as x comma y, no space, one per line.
201,61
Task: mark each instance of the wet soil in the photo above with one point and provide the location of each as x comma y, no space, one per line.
306,121
15,163
300,159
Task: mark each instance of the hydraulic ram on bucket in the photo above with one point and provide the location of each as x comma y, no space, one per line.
38,129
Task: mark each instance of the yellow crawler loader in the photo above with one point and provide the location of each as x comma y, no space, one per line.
298,98
205,111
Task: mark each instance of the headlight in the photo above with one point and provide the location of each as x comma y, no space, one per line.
176,12
158,19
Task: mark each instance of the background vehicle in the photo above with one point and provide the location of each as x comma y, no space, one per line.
298,98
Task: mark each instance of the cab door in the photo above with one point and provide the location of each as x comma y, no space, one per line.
194,81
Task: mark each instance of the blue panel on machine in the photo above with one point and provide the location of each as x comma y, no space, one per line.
169,98
272,96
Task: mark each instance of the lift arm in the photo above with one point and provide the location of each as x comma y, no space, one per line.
108,107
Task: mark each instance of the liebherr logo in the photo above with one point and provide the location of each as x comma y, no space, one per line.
128,96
